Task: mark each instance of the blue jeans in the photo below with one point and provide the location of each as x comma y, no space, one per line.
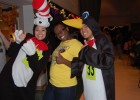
58,93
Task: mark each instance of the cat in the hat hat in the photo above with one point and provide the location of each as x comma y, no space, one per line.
42,16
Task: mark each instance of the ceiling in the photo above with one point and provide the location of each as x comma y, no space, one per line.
113,12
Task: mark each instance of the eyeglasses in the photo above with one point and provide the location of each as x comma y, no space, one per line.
61,31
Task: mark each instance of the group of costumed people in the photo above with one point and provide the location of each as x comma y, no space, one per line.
30,53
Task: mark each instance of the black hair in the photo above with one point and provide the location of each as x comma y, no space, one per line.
93,25
46,39
72,31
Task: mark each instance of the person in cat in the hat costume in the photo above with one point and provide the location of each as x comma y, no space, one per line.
29,55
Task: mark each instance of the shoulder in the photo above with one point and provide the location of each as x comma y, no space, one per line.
102,40
76,45
102,37
76,42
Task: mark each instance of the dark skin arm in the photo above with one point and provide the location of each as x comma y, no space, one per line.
61,60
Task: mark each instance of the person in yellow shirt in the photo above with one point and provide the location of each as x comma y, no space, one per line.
61,86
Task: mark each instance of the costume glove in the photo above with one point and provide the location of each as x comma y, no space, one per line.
17,34
29,48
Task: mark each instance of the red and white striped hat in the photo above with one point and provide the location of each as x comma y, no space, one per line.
43,16
42,7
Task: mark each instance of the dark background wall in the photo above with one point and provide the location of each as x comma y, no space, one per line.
112,12
93,6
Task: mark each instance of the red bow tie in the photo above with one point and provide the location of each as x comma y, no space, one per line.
91,42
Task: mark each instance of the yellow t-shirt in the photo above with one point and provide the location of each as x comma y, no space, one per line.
60,73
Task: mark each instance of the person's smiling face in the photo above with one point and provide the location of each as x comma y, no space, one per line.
40,32
86,32
61,32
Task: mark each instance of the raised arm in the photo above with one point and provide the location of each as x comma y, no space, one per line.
5,40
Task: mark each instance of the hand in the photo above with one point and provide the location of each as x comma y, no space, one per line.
29,48
20,36
60,59
85,44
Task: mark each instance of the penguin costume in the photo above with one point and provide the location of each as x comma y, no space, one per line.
96,61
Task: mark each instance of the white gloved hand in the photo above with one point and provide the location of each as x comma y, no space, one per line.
29,48
17,34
